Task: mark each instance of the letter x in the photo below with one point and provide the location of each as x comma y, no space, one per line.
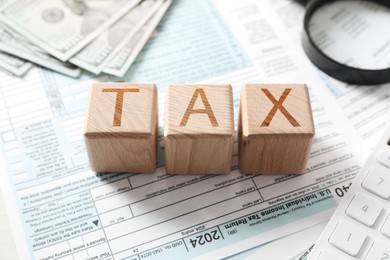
278,104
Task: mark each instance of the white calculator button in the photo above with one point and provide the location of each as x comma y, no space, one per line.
326,255
386,228
378,182
384,157
380,250
348,238
364,209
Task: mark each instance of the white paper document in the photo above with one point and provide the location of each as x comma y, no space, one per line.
63,210
298,242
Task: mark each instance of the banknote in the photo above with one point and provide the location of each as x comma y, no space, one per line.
96,54
15,44
4,71
123,59
63,27
14,65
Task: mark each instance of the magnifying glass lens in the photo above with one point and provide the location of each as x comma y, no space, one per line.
351,35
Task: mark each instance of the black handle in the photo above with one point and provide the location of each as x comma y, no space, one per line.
302,2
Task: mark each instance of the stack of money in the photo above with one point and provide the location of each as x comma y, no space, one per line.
66,36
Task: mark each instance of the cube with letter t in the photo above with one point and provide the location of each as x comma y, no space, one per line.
275,128
199,129
121,127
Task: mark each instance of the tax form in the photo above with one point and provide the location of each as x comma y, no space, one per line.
62,210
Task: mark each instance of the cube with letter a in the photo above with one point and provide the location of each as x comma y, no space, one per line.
121,127
199,129
275,129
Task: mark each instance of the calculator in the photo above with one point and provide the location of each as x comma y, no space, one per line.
360,226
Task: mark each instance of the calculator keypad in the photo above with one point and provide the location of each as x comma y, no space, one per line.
378,182
360,227
364,209
348,238
384,158
380,250
386,228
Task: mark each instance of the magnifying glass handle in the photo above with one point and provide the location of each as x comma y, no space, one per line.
302,2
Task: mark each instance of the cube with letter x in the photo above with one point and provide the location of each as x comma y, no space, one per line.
199,129
121,127
275,128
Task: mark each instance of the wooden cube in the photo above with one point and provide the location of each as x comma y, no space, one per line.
275,129
121,127
199,129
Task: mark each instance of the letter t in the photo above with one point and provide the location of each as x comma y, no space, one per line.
119,102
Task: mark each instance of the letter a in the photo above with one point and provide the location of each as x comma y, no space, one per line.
119,102
190,109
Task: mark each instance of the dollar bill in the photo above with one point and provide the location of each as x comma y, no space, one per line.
14,65
6,71
96,54
123,59
63,27
15,44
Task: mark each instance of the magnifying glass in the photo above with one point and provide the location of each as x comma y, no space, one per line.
349,39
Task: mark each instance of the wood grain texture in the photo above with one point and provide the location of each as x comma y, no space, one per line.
199,129
121,127
275,128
